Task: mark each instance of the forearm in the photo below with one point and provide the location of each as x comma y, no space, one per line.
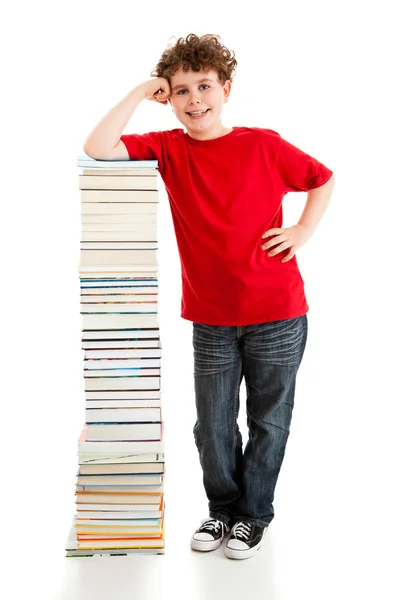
316,204
107,132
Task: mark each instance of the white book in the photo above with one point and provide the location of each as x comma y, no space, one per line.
124,290
137,372
123,432
115,404
123,415
127,334
119,307
121,461
116,184
143,172
138,395
89,286
84,160
137,353
118,257
121,383
115,271
117,447
115,321
118,245
145,228
122,298
96,364
114,345
114,236
134,220
119,208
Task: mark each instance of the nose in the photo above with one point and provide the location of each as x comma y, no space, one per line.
194,98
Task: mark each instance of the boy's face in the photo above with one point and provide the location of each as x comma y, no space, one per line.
193,92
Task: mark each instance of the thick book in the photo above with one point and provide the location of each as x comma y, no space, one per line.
112,448
118,345
123,415
113,432
119,299
137,353
134,220
121,383
115,404
136,372
119,498
140,396
149,333
119,208
86,161
119,307
141,172
118,257
114,183
118,245
123,363
119,321
121,468
137,479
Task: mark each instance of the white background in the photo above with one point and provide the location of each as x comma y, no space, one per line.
319,73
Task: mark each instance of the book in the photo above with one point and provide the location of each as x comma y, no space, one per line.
121,499
118,245
117,257
114,404
121,383
143,220
120,458
134,372
119,321
137,353
123,363
139,396
86,161
115,447
120,171
96,432
118,345
119,299
119,307
112,184
136,479
121,468
119,208
123,415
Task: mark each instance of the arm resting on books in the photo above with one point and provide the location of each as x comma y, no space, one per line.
104,140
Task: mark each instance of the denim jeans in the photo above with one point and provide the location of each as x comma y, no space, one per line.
240,485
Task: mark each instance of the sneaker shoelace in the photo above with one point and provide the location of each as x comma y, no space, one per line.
210,525
242,531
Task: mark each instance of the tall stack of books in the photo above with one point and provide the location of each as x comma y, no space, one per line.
119,486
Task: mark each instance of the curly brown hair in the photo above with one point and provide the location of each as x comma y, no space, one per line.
199,53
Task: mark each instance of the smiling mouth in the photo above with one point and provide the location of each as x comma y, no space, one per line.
198,113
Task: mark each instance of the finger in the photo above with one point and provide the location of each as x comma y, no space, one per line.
280,248
274,231
275,241
288,256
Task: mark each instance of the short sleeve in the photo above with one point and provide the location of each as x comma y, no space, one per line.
146,146
299,171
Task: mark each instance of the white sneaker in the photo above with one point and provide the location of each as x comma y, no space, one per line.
209,536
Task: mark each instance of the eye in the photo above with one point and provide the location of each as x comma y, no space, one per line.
179,93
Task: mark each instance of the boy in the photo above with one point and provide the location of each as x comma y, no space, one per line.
241,286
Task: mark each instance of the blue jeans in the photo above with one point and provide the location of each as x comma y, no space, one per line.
240,485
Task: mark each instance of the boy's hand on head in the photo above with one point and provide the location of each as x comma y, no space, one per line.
157,90
284,238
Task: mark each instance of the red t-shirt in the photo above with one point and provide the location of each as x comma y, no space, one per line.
224,194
